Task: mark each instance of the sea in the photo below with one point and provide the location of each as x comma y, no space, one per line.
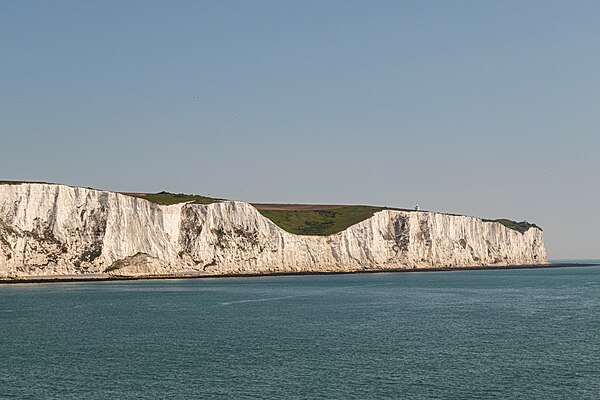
486,334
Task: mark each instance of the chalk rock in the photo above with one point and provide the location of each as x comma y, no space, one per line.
61,230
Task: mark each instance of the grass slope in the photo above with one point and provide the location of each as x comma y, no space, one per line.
166,198
522,226
320,222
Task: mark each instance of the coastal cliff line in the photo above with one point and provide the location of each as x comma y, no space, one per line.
48,229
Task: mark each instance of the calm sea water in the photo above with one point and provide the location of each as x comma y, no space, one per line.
530,334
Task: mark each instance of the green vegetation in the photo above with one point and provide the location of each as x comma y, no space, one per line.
16,182
320,222
326,221
336,219
522,226
166,198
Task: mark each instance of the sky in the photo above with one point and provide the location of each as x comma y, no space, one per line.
481,108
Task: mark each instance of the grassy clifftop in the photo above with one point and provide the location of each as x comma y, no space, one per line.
522,226
320,222
338,218
317,220
300,219
166,198
297,219
17,182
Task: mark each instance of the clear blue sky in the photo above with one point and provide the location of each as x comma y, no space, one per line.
476,107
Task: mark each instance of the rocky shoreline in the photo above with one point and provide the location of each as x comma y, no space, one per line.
111,278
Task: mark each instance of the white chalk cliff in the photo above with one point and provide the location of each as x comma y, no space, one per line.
61,230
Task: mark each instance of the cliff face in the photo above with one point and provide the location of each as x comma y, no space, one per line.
60,230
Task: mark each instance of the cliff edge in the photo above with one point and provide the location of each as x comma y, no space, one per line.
48,229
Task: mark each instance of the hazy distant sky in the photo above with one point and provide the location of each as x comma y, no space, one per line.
487,108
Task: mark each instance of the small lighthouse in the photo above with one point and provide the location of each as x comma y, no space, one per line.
417,208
